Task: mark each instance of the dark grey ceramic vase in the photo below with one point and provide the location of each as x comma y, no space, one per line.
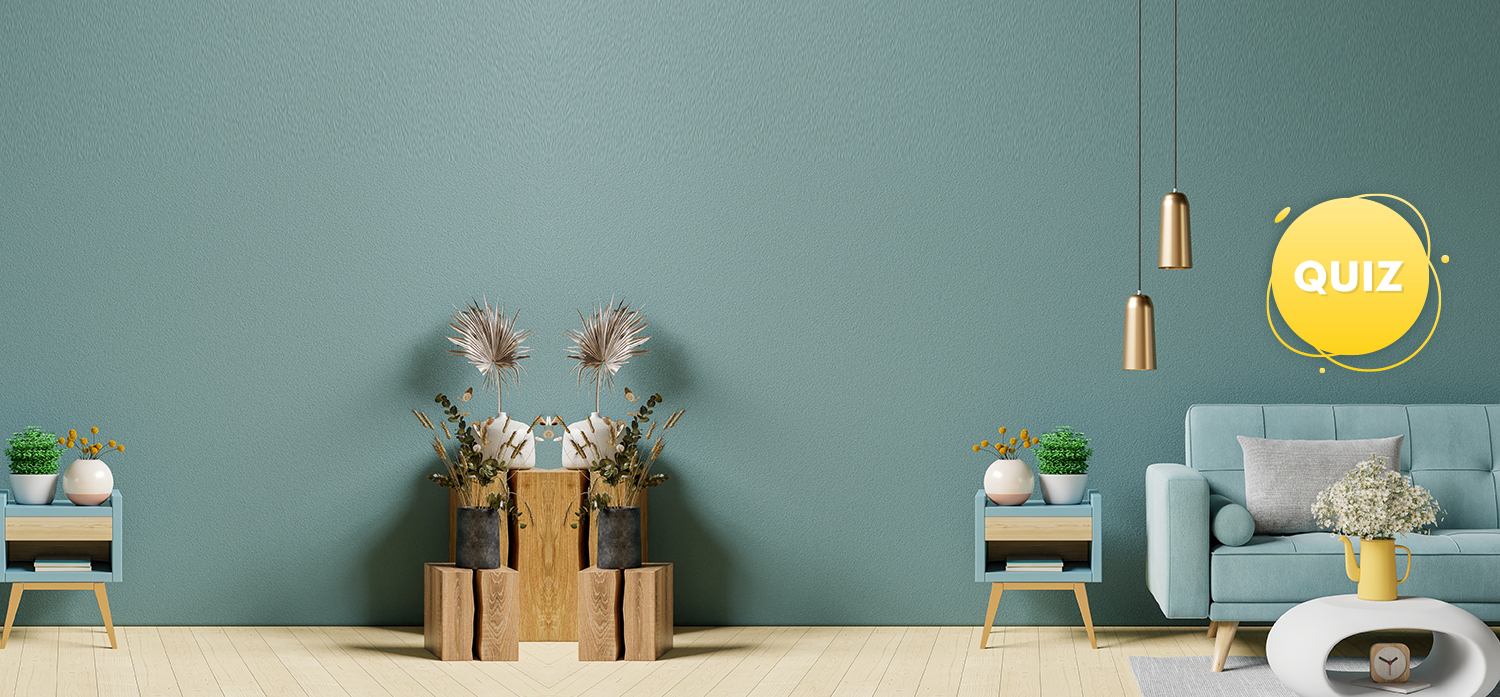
478,543
620,537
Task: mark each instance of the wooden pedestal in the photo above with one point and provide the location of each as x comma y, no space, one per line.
497,609
648,612
616,493
599,627
550,552
448,611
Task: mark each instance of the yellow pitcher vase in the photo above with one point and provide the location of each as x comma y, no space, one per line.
1376,572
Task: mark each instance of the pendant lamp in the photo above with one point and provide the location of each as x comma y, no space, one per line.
1140,330
1176,235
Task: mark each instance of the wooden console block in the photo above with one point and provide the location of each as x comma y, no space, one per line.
648,612
448,612
599,625
497,614
550,552
616,493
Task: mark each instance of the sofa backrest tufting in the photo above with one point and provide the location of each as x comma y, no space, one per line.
1449,449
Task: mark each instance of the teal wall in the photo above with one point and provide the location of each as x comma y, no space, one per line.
866,234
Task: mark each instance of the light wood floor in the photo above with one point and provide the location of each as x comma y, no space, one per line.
757,661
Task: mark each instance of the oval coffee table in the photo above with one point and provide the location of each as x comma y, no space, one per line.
1465,658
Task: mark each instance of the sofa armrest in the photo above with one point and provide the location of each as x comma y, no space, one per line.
1177,533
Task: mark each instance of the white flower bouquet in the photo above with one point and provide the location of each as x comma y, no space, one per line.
1373,502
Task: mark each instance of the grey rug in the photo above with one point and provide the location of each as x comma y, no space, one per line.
1243,676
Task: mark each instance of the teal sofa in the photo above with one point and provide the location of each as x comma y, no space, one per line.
1449,449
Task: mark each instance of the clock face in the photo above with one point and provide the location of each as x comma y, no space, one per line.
1389,663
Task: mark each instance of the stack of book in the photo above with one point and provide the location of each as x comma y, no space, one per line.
1033,563
63,562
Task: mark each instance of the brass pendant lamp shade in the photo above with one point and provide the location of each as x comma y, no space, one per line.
1140,334
1140,322
1176,233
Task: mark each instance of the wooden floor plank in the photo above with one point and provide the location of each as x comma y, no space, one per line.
350,675
706,677
194,676
76,673
794,665
904,673
116,669
223,658
38,673
981,676
300,663
1059,666
823,677
865,672
633,672
944,671
375,661
682,662
1022,658
404,650
153,672
270,673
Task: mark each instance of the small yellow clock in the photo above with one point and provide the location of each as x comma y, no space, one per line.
1390,663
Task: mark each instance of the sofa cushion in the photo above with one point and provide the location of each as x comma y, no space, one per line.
1230,522
1283,477
1453,565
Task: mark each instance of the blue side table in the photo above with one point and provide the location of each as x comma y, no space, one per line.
61,528
1071,532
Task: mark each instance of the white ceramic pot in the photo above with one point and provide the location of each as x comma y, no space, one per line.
33,489
592,435
88,482
1009,482
1064,489
502,430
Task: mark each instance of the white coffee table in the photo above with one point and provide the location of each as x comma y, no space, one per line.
1465,658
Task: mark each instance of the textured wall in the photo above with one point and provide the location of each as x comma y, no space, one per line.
866,233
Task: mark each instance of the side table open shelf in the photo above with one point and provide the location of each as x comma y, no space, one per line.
1070,532
61,528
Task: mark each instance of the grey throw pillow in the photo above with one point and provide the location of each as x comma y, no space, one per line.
1283,477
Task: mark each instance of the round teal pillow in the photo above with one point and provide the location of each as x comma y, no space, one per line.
1231,523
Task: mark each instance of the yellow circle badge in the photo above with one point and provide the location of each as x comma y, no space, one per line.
1350,277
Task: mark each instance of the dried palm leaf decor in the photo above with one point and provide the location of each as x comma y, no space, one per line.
610,337
489,340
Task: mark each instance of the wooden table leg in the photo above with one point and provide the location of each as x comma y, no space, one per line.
109,624
10,615
989,615
1083,608
1213,628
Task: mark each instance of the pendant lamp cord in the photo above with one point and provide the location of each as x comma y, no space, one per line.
1139,32
1174,95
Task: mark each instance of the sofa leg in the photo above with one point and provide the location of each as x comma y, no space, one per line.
1224,637
1213,628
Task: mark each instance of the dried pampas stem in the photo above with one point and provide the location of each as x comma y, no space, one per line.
610,337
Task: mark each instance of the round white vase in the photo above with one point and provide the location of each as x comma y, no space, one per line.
1009,482
1064,489
592,435
503,429
88,482
33,489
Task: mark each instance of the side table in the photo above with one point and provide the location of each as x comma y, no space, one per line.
1465,657
1070,532
61,528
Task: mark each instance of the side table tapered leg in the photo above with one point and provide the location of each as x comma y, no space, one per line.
10,614
1083,609
989,615
109,623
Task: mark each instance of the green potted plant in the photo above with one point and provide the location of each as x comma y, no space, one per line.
625,468
33,457
1062,458
478,479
